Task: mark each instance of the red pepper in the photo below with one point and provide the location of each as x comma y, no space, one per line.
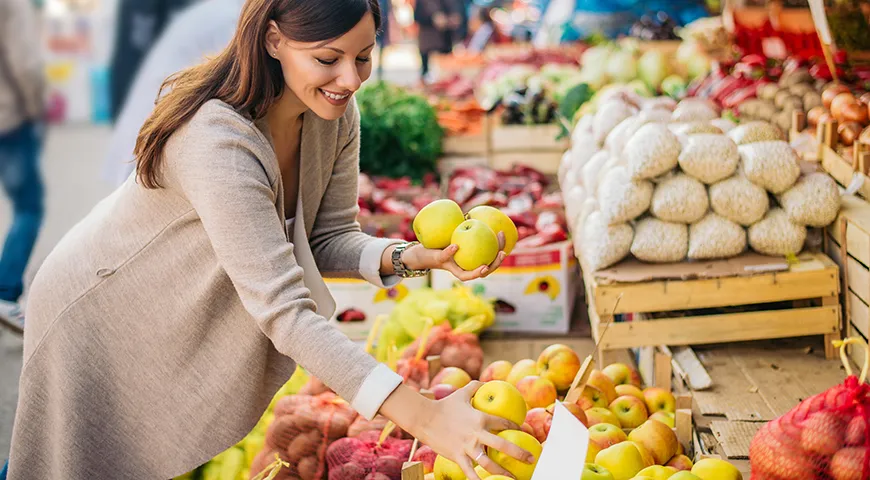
352,315
483,198
461,189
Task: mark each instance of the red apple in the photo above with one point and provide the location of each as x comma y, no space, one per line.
592,397
605,435
426,456
622,374
442,390
667,418
559,364
680,462
658,399
452,376
658,438
630,390
537,391
498,370
630,411
603,383
823,433
598,415
538,421
574,409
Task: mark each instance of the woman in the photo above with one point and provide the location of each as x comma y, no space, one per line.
438,21
163,323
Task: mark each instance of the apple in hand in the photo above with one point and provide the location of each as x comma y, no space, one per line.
657,472
603,383
435,223
680,462
630,411
454,376
498,370
595,472
500,399
592,397
478,245
622,374
498,222
623,460
630,390
559,364
445,469
658,439
667,418
517,468
483,473
538,392
659,399
598,415
521,370
715,469
606,435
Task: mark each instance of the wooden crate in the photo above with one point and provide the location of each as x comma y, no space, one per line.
813,280
460,145
845,165
532,145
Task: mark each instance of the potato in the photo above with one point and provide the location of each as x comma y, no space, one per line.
303,445
783,98
768,91
800,75
338,427
812,100
308,468
783,120
801,89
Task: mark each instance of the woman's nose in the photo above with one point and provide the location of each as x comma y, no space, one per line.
349,79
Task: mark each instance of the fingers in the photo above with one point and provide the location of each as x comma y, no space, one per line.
467,467
495,264
461,274
489,465
498,424
447,254
506,447
469,390
501,241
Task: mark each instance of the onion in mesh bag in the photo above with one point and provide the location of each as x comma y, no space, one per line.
715,237
656,241
680,199
621,199
603,244
739,200
772,165
813,201
709,157
776,235
652,151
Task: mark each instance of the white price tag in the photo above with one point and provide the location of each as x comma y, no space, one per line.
564,455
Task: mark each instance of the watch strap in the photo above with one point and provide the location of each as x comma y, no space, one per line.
399,266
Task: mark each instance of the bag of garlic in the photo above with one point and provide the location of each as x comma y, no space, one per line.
621,199
739,200
813,201
656,241
776,235
604,245
715,237
709,157
771,165
679,198
653,151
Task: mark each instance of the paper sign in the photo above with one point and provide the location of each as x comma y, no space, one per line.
817,8
564,454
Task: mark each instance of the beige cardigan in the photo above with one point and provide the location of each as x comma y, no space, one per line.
162,324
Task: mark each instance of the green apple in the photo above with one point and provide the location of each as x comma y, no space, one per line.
498,222
501,399
520,470
684,475
595,472
447,470
657,472
623,460
478,245
716,469
435,223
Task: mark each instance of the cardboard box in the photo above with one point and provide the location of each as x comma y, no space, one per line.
534,289
372,301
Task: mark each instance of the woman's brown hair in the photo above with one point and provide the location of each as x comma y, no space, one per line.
244,75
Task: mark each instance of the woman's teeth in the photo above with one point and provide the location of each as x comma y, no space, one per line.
334,96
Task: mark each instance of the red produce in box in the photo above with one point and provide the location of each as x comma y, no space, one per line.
524,232
461,189
530,173
397,207
365,186
523,219
483,198
522,202
739,96
546,219
535,189
550,234
551,200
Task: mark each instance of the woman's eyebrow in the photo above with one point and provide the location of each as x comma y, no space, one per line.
337,50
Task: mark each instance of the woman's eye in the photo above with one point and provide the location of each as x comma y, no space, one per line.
364,59
326,62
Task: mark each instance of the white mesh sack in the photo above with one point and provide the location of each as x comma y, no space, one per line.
590,171
715,237
694,128
621,199
604,245
709,157
658,103
564,166
652,151
771,165
656,241
693,112
739,200
655,115
723,124
776,235
679,198
573,200
619,136
582,134
813,201
756,131
610,115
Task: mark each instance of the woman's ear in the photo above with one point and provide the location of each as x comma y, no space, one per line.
273,39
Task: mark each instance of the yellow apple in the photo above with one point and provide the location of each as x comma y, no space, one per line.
715,469
520,470
642,477
630,411
630,390
592,452
435,223
647,457
538,392
623,460
680,462
658,438
667,418
603,383
453,376
598,415
478,245
606,435
501,399
657,472
498,222
498,370
483,473
559,364
497,477
592,397
447,470
658,399
684,475
595,472
622,374
521,370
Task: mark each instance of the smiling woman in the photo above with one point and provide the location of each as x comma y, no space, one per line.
162,324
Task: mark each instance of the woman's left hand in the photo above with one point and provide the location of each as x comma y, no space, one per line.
421,258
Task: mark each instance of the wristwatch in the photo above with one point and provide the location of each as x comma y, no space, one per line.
399,266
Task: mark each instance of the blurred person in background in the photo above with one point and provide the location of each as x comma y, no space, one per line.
438,21
383,37
202,30
140,23
22,109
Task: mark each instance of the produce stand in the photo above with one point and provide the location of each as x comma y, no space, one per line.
745,281
533,145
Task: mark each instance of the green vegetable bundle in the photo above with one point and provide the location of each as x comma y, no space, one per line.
399,132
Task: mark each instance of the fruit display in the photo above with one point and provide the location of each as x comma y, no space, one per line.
458,347
525,94
664,182
823,437
464,117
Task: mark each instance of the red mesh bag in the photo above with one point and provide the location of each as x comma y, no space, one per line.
372,455
823,438
377,424
303,428
457,347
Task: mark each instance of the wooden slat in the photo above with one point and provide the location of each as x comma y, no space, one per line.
529,138
733,396
842,171
778,386
859,314
856,354
856,213
734,437
545,162
858,274
724,328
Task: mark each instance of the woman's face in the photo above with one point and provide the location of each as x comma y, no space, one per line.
325,75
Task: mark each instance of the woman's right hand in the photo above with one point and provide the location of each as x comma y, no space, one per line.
455,430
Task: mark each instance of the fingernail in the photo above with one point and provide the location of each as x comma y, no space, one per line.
484,271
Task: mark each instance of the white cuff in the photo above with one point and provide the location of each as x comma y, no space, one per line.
370,263
379,385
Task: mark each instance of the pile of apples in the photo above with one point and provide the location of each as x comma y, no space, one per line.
442,223
631,429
